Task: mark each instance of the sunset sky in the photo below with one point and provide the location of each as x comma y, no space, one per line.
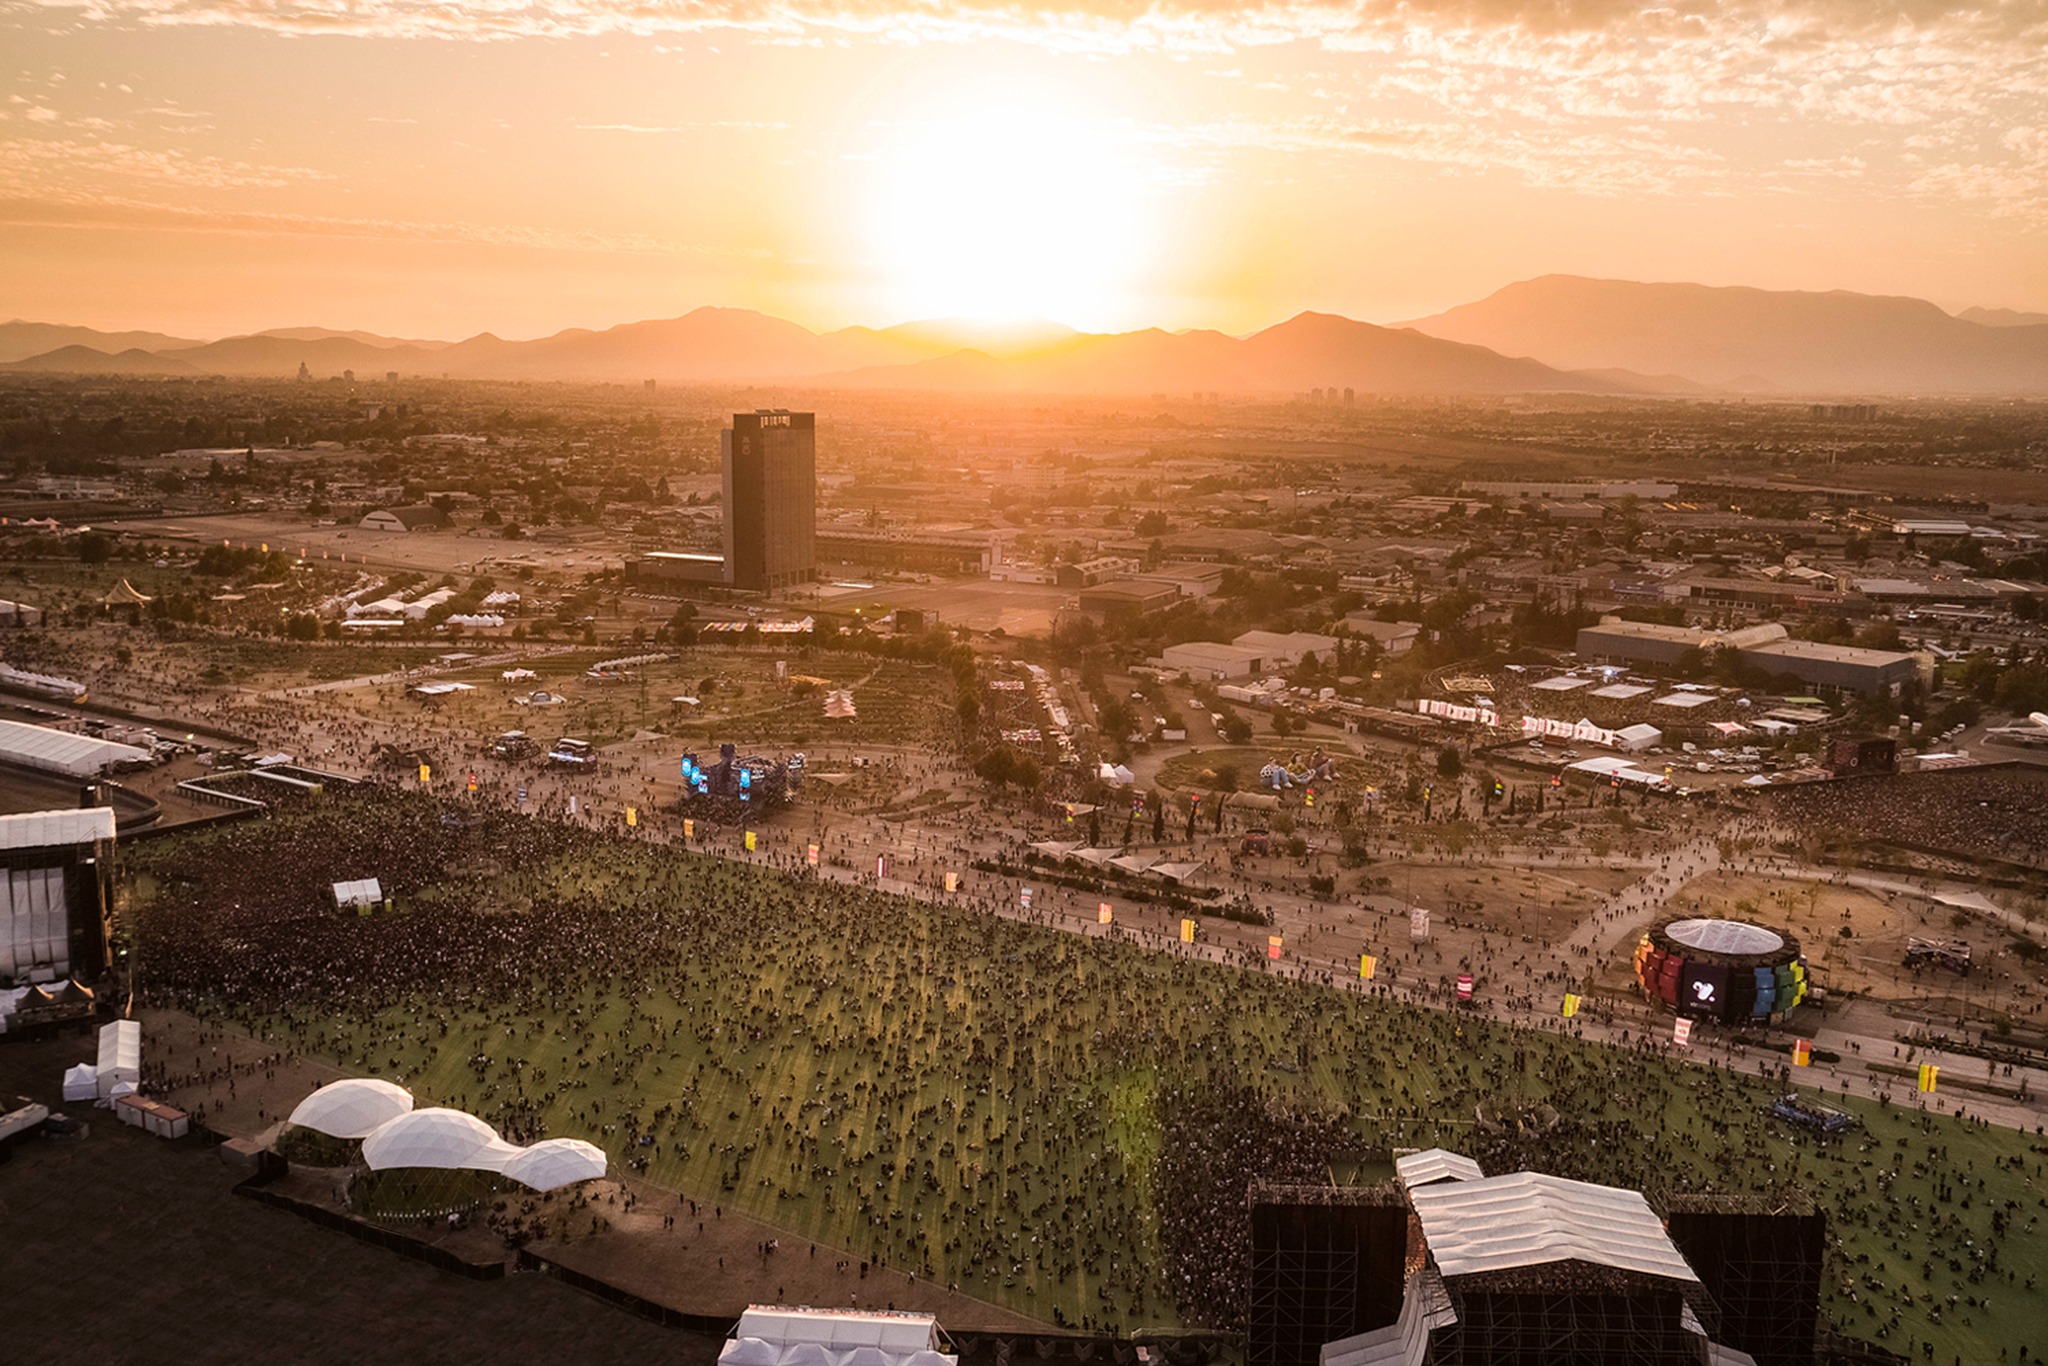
427,168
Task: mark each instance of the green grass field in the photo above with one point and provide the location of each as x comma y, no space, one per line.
972,1099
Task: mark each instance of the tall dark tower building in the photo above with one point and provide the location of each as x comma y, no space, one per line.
771,500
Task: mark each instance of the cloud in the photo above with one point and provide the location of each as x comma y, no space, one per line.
1738,87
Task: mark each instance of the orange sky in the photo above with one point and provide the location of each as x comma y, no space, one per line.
211,166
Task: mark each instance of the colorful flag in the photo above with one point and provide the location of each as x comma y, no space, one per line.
1571,1005
1681,1032
1418,923
811,855
472,780
1103,914
426,773
689,828
750,841
572,806
1802,1053
1024,897
952,882
1272,946
1929,1075
1464,986
520,796
1367,966
1187,931
881,866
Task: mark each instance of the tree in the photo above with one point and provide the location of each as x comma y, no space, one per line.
95,548
1236,729
1449,763
998,767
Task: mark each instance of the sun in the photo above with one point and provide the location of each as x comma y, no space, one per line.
1011,209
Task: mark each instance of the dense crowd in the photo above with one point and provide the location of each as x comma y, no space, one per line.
954,1095
2002,813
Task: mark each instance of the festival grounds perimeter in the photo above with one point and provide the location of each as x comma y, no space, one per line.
975,1100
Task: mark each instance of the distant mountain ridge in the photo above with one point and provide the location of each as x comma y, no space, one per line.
1553,334
1797,342
20,340
727,345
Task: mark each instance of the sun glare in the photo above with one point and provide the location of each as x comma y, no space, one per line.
1006,211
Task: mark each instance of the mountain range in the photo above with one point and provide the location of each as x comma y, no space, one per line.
1557,333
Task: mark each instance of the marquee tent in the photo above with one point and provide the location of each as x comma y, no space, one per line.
360,892
770,1336
556,1162
353,1108
434,1137
81,1082
120,1056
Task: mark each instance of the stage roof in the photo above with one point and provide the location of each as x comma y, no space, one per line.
1432,1165
773,1336
1499,1223
42,829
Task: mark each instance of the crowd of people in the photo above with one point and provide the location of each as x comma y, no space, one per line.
2002,812
957,1095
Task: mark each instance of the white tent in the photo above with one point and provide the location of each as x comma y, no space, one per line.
352,1108
1115,774
774,1336
81,1082
1639,736
365,891
749,1352
434,1137
494,1156
556,1162
120,1056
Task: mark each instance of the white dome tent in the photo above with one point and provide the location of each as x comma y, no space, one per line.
353,1108
556,1162
434,1137
493,1157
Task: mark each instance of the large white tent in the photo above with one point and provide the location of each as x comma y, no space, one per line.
556,1162
120,1056
773,1336
48,750
433,1137
352,1108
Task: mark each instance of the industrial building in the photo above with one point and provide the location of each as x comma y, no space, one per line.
928,552
1840,668
1650,642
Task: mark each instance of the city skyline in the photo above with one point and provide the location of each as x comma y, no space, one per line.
209,168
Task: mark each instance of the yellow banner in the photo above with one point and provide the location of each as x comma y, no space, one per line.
1187,931
1103,914
750,841
1367,966
426,773
1571,1005
1929,1075
632,816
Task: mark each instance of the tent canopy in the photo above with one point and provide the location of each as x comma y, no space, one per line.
353,1108
556,1162
434,1137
